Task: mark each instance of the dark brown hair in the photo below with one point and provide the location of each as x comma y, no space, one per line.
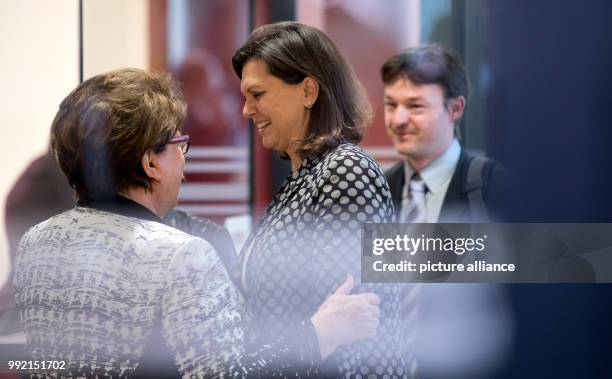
105,126
294,51
429,64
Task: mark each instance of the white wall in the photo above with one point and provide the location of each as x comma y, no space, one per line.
38,66
115,35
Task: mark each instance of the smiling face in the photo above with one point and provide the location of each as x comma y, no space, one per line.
276,108
419,120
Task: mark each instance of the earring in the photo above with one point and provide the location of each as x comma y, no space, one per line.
308,106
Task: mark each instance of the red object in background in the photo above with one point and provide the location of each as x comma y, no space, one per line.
227,171
365,36
205,35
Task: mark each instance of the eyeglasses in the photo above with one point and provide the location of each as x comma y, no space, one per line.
183,142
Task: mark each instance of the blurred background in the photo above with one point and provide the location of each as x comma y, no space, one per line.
541,86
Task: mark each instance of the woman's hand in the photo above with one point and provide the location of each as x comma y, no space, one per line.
344,318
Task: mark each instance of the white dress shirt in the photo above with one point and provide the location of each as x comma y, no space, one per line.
437,176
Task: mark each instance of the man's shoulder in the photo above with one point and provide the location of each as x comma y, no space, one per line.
471,154
395,170
484,178
477,166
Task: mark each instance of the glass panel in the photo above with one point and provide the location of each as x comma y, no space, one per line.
372,29
194,41
201,39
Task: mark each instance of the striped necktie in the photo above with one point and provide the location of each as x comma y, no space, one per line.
409,310
413,200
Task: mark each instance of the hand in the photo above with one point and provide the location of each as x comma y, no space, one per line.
344,318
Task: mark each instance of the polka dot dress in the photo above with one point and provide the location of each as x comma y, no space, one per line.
303,248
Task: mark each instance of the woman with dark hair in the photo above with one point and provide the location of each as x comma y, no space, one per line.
307,104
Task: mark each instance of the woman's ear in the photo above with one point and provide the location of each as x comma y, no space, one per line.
311,91
150,164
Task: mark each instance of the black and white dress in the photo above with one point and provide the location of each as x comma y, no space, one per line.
303,248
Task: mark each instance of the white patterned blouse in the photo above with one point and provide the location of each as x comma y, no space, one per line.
91,284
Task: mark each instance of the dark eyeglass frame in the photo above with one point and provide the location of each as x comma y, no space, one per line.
183,142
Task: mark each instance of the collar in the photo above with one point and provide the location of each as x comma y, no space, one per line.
121,205
308,163
439,171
